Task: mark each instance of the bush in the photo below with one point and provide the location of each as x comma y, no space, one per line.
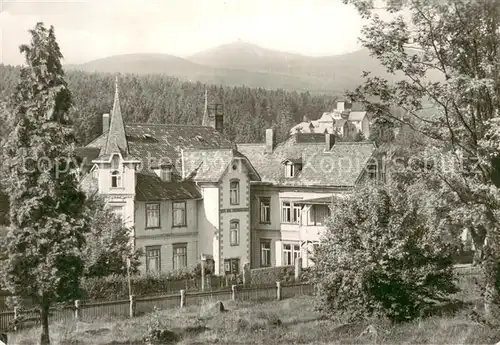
271,275
116,286
379,257
157,332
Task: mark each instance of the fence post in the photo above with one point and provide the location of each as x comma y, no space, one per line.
132,306
15,319
183,298
233,292
278,291
246,274
298,269
77,310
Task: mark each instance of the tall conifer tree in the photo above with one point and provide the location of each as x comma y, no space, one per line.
47,220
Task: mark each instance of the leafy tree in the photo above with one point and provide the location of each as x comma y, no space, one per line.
108,243
47,220
382,132
448,55
381,257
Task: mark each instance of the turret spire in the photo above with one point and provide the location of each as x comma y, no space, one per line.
117,140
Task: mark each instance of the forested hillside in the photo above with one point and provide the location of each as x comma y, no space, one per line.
163,99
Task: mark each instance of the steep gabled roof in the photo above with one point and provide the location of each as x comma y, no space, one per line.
339,167
154,144
210,165
86,155
357,115
150,187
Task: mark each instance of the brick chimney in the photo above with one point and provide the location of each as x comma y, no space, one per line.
269,140
329,141
105,123
216,117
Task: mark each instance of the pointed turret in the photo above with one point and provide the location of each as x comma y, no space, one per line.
117,141
205,121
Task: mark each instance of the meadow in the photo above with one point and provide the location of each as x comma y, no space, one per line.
291,321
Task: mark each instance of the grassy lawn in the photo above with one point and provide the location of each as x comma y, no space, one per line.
253,323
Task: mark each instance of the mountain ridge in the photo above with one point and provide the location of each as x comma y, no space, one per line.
241,63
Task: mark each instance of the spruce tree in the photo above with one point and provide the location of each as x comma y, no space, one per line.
47,219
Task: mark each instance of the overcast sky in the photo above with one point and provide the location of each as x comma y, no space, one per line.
91,29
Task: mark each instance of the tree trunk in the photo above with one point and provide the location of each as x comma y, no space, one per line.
44,320
477,258
490,268
478,237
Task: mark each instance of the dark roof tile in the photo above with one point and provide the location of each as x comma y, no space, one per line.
339,167
150,187
156,144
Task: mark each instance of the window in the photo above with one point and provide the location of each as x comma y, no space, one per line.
117,210
265,253
289,169
232,266
290,213
234,232
166,174
153,263
152,215
296,252
286,212
296,213
234,192
287,254
290,253
116,179
179,212
318,214
180,255
265,210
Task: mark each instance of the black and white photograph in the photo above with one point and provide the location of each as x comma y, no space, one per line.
238,172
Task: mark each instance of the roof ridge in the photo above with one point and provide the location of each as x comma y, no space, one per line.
250,143
210,149
366,142
97,138
165,124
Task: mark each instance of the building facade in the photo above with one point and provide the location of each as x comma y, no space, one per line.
187,191
344,121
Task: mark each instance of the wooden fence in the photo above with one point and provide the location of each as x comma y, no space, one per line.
135,306
138,305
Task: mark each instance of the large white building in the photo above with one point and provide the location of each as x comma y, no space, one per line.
344,121
187,190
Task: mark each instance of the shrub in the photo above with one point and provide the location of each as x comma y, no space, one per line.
271,275
116,286
380,257
157,332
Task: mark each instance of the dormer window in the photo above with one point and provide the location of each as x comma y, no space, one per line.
116,179
289,169
166,174
292,167
95,171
